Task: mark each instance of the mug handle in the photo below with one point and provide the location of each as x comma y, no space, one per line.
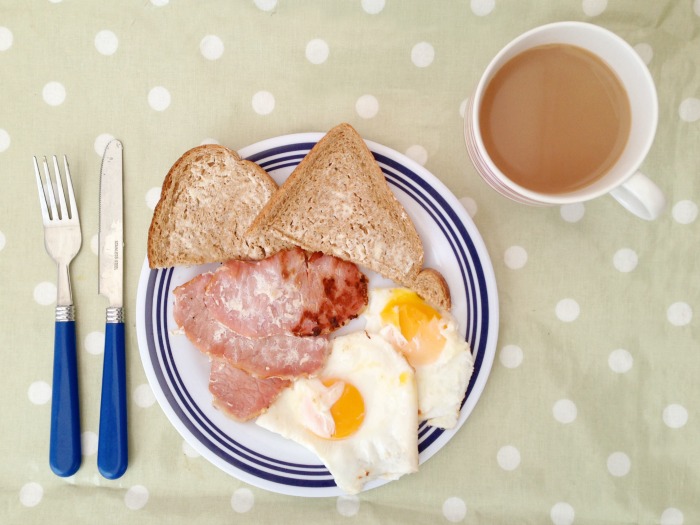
641,196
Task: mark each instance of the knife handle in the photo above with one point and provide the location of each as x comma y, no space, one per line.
113,450
65,452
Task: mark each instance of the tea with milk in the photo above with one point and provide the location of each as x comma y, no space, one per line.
555,118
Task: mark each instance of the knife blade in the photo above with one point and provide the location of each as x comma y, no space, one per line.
112,451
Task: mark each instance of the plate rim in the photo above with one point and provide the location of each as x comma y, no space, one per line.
477,389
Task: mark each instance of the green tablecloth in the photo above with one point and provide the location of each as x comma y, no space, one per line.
591,412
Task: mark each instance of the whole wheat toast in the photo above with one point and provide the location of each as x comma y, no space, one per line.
208,201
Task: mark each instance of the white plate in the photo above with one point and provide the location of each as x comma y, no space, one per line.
179,374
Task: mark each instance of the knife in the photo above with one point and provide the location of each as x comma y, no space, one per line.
112,451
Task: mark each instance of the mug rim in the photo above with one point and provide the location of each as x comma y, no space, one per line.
472,129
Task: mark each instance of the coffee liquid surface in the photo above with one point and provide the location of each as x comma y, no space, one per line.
555,118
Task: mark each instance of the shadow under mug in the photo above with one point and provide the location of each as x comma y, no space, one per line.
634,190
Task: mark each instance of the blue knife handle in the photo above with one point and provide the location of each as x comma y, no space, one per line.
113,450
64,450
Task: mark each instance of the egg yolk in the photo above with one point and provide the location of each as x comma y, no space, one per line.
348,411
419,323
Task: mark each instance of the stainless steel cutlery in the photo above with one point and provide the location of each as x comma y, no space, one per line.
62,239
112,452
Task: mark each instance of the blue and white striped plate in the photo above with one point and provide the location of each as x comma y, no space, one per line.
179,374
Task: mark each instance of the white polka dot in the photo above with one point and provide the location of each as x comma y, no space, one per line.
515,257
106,42
463,107
101,143
30,494
367,106
143,396
136,497
45,293
572,212
511,356
673,516
422,54
6,39
242,500
685,212
679,314
594,7
620,361
469,205
482,7
689,110
95,343
675,416
619,464
160,3
372,7
263,102
4,140
417,153
454,509
317,51
564,411
266,5
645,51
2,241
88,442
95,243
39,392
159,98
508,457
211,47
55,1
696,7
625,260
189,450
152,197
347,505
562,514
567,310
54,93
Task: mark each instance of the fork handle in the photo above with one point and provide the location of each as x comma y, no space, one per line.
113,451
65,450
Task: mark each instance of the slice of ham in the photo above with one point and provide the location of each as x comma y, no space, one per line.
292,292
240,395
263,323
284,356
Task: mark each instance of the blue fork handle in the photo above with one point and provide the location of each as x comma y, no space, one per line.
112,451
64,451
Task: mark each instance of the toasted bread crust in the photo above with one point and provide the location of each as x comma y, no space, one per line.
432,287
337,201
208,200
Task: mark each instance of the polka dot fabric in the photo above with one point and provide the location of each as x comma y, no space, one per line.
590,412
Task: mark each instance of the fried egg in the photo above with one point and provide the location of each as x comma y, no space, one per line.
359,416
430,341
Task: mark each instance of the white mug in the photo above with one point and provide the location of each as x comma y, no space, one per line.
634,190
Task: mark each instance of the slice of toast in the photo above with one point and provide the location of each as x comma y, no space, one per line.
338,202
208,201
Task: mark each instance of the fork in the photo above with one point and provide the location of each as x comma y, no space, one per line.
62,239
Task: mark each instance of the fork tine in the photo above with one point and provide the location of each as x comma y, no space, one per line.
63,210
49,187
71,195
42,193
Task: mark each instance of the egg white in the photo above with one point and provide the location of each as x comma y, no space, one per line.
386,443
441,384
